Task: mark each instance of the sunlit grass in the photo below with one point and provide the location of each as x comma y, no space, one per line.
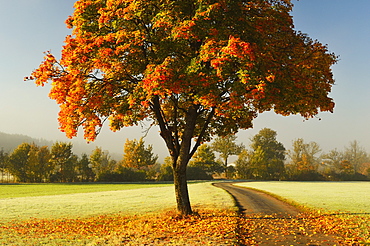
27,190
131,200
328,196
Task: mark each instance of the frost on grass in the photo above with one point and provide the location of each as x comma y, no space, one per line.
135,201
329,196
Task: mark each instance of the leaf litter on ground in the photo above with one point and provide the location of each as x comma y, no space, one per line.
206,227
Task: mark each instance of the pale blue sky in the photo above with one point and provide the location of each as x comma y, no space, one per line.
30,27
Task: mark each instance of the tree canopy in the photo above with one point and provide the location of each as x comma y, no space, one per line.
195,68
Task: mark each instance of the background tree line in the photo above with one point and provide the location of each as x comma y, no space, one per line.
264,159
267,159
32,163
29,163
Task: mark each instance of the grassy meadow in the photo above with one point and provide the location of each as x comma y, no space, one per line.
327,196
144,214
46,189
82,200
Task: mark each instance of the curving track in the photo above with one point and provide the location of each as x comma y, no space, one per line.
282,226
255,202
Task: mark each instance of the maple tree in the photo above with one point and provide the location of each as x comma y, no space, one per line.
196,68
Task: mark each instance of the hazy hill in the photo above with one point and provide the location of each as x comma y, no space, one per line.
8,142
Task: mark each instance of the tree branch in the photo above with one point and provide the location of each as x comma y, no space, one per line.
165,131
203,131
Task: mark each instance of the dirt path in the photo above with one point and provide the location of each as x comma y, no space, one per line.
266,220
255,202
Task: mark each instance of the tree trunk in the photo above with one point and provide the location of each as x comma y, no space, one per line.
180,163
180,150
181,190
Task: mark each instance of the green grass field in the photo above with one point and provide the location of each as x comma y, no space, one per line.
83,200
328,196
19,201
27,190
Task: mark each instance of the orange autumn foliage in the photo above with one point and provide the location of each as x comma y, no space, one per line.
122,53
195,68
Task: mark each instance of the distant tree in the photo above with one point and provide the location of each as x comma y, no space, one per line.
259,163
4,156
243,165
365,169
85,170
197,173
18,162
303,155
266,158
46,165
346,167
356,155
33,174
268,155
101,162
230,172
166,171
136,155
153,172
332,160
205,159
64,162
123,174
192,172
31,163
40,164
227,147
341,165
304,161
194,68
